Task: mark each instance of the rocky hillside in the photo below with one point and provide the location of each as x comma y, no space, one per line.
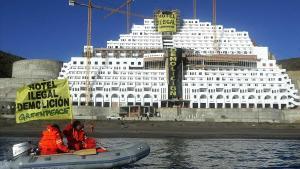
292,64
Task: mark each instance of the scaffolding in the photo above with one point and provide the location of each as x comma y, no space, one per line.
195,61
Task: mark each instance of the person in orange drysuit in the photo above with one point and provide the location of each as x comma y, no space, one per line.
77,138
51,141
75,135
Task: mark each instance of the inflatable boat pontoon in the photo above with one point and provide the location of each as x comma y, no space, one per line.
113,158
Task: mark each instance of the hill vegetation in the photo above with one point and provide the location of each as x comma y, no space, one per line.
6,63
292,64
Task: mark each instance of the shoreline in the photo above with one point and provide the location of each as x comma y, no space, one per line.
163,129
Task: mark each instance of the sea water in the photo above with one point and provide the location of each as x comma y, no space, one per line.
196,153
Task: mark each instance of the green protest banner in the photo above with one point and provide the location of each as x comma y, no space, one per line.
46,100
166,21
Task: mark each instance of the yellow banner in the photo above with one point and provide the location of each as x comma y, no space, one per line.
166,21
46,100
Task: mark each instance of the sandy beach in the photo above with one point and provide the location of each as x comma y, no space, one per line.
159,129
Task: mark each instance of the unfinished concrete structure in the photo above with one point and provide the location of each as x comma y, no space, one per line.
25,72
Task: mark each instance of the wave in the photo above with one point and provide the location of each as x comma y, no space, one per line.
5,164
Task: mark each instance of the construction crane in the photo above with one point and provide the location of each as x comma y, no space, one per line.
214,14
105,8
214,23
127,4
127,15
194,9
88,52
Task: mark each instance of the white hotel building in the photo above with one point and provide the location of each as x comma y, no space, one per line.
221,69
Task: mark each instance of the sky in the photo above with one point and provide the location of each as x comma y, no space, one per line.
51,29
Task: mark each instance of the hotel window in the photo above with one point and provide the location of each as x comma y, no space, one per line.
74,62
81,62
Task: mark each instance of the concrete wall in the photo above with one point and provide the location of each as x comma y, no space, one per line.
189,114
8,90
230,115
9,86
36,68
292,115
7,107
90,112
25,72
79,112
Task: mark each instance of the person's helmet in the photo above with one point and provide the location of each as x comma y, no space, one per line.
55,126
77,125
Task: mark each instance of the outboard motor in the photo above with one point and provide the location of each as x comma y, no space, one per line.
21,149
